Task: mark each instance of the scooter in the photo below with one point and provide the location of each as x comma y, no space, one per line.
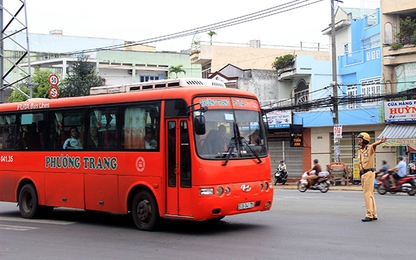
406,184
322,183
280,176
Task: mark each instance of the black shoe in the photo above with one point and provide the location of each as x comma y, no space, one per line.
374,218
366,219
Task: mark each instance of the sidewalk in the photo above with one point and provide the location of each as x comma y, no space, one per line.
294,186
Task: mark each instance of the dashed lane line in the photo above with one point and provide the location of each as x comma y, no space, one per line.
16,228
37,221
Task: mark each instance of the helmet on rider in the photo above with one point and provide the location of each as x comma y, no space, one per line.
315,160
365,137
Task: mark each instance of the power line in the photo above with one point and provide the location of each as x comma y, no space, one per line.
290,104
294,4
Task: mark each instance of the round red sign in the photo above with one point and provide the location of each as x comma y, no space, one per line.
53,80
53,92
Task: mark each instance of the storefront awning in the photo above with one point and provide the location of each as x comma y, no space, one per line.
411,149
399,135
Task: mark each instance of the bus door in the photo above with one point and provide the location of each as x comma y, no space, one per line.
178,191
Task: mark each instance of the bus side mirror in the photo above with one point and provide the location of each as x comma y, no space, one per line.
199,125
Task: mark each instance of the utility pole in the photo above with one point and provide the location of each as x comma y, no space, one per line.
337,150
334,67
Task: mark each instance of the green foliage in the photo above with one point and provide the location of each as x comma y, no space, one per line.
16,96
80,79
41,78
396,46
41,90
176,69
195,47
407,32
283,61
211,33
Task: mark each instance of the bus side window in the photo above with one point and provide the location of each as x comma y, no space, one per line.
8,135
41,133
4,137
30,137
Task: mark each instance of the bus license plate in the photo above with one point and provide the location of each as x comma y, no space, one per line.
245,205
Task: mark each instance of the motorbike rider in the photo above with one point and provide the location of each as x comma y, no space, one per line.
399,171
384,168
314,173
282,167
281,174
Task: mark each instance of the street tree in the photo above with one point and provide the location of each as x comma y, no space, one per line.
80,79
211,33
176,69
40,88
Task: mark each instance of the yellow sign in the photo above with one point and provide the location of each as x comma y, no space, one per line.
356,174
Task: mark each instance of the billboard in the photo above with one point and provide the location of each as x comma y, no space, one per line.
400,111
279,119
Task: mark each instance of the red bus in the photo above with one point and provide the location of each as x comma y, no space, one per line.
181,149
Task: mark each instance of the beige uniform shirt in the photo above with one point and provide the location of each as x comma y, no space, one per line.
366,157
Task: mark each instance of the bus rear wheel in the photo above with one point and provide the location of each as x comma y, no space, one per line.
28,202
144,211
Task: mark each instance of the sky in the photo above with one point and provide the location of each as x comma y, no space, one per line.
133,20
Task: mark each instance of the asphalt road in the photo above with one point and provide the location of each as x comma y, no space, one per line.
309,225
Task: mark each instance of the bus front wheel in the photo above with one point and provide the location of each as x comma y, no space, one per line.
144,211
28,202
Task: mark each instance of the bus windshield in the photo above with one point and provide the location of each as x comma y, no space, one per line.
232,134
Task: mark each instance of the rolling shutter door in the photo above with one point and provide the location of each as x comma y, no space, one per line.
280,149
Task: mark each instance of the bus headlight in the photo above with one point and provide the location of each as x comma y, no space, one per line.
227,190
206,191
266,185
220,191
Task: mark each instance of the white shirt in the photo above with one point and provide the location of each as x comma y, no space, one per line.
72,142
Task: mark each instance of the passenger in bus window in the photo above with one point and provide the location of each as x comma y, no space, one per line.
73,142
30,138
54,139
94,142
150,142
10,138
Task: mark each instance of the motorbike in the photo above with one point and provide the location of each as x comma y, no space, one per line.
322,183
280,176
406,184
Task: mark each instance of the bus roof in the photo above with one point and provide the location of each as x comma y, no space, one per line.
154,84
185,92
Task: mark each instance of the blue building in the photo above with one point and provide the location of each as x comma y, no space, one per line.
359,71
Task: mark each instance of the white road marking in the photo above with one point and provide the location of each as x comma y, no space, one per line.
38,221
17,228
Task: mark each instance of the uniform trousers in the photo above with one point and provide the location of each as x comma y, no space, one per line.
367,183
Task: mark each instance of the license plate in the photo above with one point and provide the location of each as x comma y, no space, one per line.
245,205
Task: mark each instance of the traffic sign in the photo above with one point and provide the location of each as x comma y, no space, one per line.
53,80
53,92
337,131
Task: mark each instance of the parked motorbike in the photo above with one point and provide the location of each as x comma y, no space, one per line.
280,176
406,184
322,183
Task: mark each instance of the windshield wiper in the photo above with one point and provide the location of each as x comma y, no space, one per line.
251,149
237,142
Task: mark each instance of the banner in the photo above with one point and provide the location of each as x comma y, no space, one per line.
296,135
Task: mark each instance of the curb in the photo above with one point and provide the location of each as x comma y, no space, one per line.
293,186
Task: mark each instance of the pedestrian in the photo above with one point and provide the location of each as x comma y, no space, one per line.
366,159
